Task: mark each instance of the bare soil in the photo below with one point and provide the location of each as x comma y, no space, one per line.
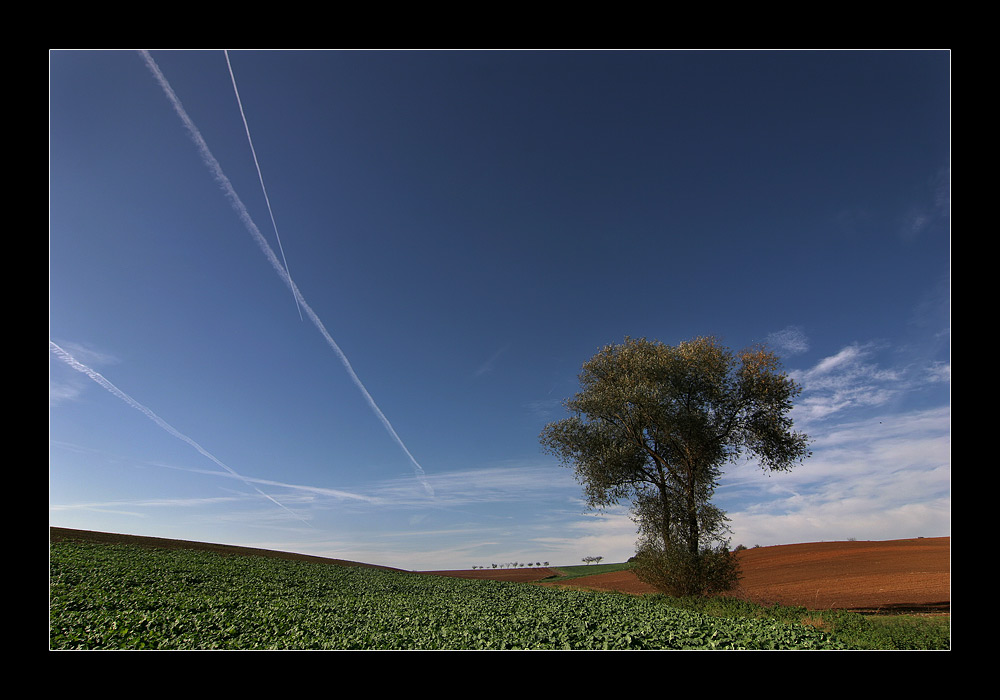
873,576
911,575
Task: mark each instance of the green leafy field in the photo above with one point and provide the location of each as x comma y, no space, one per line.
568,572
128,597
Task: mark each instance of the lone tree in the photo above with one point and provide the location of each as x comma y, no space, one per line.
654,425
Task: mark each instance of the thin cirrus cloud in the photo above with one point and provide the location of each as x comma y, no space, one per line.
102,381
260,175
502,483
791,340
216,169
64,389
885,477
497,484
490,364
845,380
300,490
875,472
934,210
128,507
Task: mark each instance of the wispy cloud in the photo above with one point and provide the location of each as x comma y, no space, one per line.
488,366
97,377
64,388
479,486
935,209
883,477
244,215
845,380
61,392
128,507
260,175
790,341
544,409
303,489
939,372
875,472
497,484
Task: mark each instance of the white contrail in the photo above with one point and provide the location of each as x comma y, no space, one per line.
260,175
244,215
100,379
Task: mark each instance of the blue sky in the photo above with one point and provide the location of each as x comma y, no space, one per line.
463,229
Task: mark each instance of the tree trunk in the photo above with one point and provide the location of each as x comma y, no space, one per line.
665,523
692,515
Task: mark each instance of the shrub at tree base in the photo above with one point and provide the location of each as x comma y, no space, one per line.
677,572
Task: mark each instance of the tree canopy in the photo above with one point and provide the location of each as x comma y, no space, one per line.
654,424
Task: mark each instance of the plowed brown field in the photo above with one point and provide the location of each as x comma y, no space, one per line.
889,576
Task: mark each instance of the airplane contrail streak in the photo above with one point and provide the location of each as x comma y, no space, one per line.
260,175
244,216
100,379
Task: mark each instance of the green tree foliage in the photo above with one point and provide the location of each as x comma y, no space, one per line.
655,424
